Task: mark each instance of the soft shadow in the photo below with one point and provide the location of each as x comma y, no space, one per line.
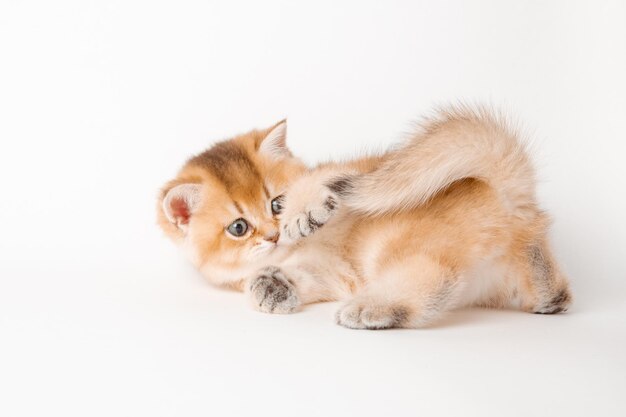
473,315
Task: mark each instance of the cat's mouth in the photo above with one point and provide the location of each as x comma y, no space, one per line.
263,249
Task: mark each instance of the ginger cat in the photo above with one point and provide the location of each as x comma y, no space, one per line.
447,219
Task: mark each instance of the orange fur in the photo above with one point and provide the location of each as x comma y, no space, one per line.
448,219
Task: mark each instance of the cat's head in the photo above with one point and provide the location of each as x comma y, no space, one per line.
223,207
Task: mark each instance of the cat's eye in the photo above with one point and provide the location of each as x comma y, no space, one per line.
277,205
238,228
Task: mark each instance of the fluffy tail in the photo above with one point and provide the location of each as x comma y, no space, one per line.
459,142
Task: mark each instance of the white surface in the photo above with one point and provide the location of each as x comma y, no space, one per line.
100,102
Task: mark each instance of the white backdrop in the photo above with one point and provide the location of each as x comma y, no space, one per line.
101,102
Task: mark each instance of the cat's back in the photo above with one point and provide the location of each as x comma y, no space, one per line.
461,223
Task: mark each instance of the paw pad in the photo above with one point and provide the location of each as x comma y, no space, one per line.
272,292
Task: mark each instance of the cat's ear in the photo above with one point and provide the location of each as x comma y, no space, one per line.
180,202
274,144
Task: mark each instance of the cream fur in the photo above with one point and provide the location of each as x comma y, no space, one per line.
448,219
459,142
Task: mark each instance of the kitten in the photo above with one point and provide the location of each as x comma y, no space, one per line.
448,219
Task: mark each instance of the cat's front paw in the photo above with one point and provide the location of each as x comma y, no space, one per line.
314,212
272,292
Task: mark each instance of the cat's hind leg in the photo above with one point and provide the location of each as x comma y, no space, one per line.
544,288
413,293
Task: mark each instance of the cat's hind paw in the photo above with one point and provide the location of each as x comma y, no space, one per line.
365,314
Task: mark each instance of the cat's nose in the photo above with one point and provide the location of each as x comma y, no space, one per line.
272,237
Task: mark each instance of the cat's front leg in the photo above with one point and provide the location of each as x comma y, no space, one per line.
271,291
309,204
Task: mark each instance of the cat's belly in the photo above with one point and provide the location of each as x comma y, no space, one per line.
485,282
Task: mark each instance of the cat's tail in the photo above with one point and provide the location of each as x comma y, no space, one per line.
459,142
